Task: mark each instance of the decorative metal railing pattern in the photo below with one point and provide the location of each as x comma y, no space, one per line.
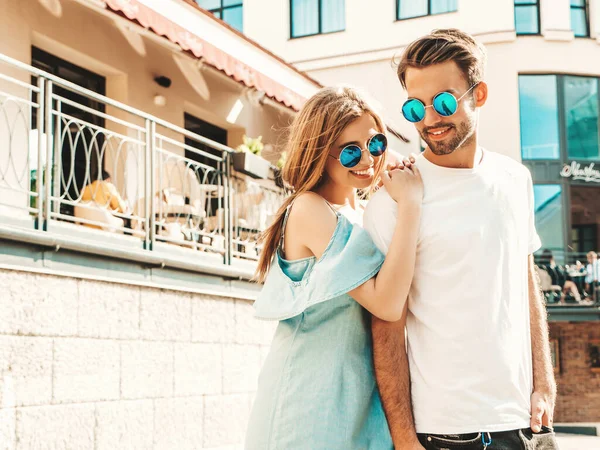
82,164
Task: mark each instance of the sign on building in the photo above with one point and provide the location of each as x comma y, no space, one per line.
576,171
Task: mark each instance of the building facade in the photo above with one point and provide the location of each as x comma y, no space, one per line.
543,71
129,224
129,232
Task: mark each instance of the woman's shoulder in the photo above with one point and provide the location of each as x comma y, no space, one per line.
309,212
309,204
309,226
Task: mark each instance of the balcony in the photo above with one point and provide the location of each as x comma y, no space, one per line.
82,172
571,291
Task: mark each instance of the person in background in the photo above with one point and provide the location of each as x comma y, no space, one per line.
578,272
105,194
559,276
592,279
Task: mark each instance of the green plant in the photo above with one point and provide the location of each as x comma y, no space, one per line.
281,161
251,145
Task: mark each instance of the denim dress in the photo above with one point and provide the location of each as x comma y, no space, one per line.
317,387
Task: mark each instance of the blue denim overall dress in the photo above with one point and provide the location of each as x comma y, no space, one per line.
317,388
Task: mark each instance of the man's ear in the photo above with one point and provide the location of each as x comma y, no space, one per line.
480,93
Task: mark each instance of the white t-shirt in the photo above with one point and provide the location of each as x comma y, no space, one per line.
355,216
469,344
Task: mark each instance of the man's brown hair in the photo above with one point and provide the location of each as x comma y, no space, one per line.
441,46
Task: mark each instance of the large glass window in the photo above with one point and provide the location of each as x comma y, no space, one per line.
539,117
231,11
408,9
549,217
527,16
581,115
310,17
541,129
579,18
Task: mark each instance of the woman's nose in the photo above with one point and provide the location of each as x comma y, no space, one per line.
367,158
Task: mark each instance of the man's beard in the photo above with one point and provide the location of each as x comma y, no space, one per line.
462,134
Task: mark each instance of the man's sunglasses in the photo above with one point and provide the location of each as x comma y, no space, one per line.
444,103
351,154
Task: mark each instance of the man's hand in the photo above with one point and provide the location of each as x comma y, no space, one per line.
542,409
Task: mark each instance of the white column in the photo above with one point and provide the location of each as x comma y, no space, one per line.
556,20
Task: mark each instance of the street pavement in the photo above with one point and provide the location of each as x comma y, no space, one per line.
577,442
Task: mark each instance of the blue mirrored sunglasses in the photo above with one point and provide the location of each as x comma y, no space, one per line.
444,103
351,154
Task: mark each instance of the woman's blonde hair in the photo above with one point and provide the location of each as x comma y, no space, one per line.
313,132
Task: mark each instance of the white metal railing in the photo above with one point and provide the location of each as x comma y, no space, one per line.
81,165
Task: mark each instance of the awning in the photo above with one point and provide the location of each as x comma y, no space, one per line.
211,55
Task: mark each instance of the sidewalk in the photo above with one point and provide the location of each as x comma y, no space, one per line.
577,442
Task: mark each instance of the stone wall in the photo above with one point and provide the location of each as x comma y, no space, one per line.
578,384
95,365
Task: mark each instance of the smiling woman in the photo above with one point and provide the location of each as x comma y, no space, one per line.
357,148
324,274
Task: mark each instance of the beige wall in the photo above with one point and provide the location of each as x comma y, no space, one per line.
372,29
362,55
95,365
208,28
86,38
370,26
113,48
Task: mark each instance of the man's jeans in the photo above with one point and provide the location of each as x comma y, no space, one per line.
523,439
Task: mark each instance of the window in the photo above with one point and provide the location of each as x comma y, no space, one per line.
584,238
581,116
542,132
231,11
409,9
527,16
549,217
207,130
539,117
82,150
579,18
310,17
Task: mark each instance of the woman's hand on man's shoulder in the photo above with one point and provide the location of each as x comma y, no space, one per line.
404,184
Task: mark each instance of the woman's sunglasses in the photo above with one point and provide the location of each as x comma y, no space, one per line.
351,154
444,103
